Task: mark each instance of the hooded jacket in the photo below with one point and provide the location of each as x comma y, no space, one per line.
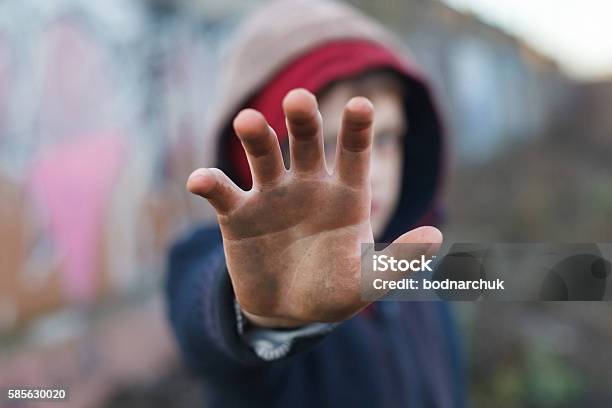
396,354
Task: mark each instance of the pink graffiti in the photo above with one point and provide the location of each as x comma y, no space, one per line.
73,184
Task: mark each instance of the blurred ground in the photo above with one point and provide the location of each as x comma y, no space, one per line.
557,189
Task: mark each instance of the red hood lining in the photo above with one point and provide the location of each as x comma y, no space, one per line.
340,60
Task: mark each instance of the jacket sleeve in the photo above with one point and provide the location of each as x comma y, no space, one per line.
202,312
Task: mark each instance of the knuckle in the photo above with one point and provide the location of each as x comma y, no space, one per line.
356,142
304,126
257,146
358,123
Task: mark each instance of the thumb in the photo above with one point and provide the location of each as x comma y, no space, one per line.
216,187
423,241
427,238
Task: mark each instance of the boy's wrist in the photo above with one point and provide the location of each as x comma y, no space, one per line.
277,338
272,322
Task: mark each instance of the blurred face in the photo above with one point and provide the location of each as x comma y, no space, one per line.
389,130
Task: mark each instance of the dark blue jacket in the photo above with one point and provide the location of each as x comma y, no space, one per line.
403,354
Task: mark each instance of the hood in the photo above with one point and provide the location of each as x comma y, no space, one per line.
283,32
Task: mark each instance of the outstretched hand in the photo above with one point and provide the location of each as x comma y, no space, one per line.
293,242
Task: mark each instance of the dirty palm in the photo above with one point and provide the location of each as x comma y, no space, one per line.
293,242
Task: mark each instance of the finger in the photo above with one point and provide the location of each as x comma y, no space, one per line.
355,143
217,188
261,146
305,135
